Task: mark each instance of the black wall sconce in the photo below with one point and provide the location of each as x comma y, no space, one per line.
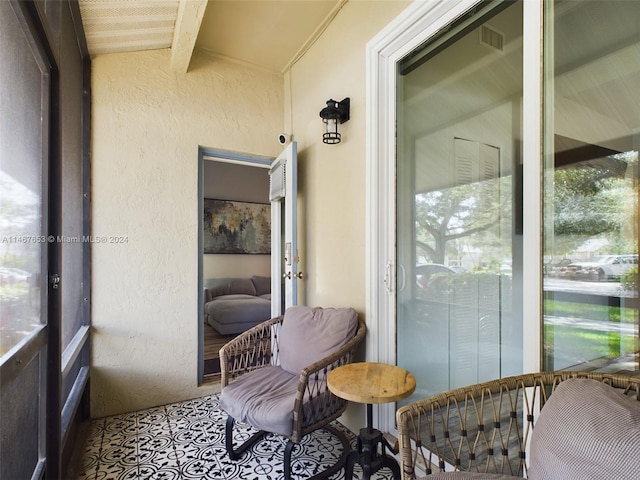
333,114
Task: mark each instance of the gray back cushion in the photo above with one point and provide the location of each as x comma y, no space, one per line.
587,430
229,286
241,285
217,286
310,334
262,284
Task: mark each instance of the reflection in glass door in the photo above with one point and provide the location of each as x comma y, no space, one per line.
591,186
23,247
459,230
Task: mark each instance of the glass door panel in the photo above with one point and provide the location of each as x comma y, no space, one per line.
592,60
459,231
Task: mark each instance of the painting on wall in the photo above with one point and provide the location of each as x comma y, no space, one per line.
236,227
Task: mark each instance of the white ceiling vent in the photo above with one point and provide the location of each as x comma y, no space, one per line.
491,38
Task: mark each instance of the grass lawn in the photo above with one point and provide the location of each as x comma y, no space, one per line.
573,344
590,312
583,344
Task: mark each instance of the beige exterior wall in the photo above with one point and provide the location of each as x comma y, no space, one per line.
148,122
332,177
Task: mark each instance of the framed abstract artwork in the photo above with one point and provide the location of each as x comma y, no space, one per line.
236,227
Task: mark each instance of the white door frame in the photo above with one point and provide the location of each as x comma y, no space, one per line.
283,192
420,21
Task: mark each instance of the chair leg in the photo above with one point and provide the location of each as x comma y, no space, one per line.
346,447
287,460
235,454
390,462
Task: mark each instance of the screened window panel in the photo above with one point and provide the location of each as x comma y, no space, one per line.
73,243
21,151
20,400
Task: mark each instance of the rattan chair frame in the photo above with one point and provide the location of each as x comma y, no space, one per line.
484,427
314,407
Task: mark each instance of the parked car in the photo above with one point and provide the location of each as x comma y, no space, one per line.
557,269
13,275
427,273
603,268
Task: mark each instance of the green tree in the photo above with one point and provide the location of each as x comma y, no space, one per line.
592,200
446,215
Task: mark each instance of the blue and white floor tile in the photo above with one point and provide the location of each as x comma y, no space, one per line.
185,441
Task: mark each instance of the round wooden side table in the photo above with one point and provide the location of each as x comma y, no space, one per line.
369,383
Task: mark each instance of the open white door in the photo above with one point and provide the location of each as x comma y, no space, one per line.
283,194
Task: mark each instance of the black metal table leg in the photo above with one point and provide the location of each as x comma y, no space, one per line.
367,455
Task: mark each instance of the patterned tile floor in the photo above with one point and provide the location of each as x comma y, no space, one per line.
185,441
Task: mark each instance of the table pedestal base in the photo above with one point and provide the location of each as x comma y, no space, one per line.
369,383
368,457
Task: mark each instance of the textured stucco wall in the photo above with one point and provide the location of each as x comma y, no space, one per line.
148,122
332,177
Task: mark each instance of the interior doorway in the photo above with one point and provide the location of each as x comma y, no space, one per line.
243,180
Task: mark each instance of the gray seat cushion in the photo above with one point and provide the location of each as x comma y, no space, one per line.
587,430
235,296
235,313
244,399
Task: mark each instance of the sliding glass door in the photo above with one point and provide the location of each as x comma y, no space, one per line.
592,138
459,223
490,281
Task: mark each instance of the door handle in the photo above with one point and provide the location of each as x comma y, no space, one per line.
403,277
54,279
290,276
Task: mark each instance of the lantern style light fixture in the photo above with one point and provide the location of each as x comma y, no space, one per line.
333,114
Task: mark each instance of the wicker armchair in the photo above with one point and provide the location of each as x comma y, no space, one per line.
314,407
483,428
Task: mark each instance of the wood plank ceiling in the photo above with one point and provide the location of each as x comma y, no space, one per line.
270,34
